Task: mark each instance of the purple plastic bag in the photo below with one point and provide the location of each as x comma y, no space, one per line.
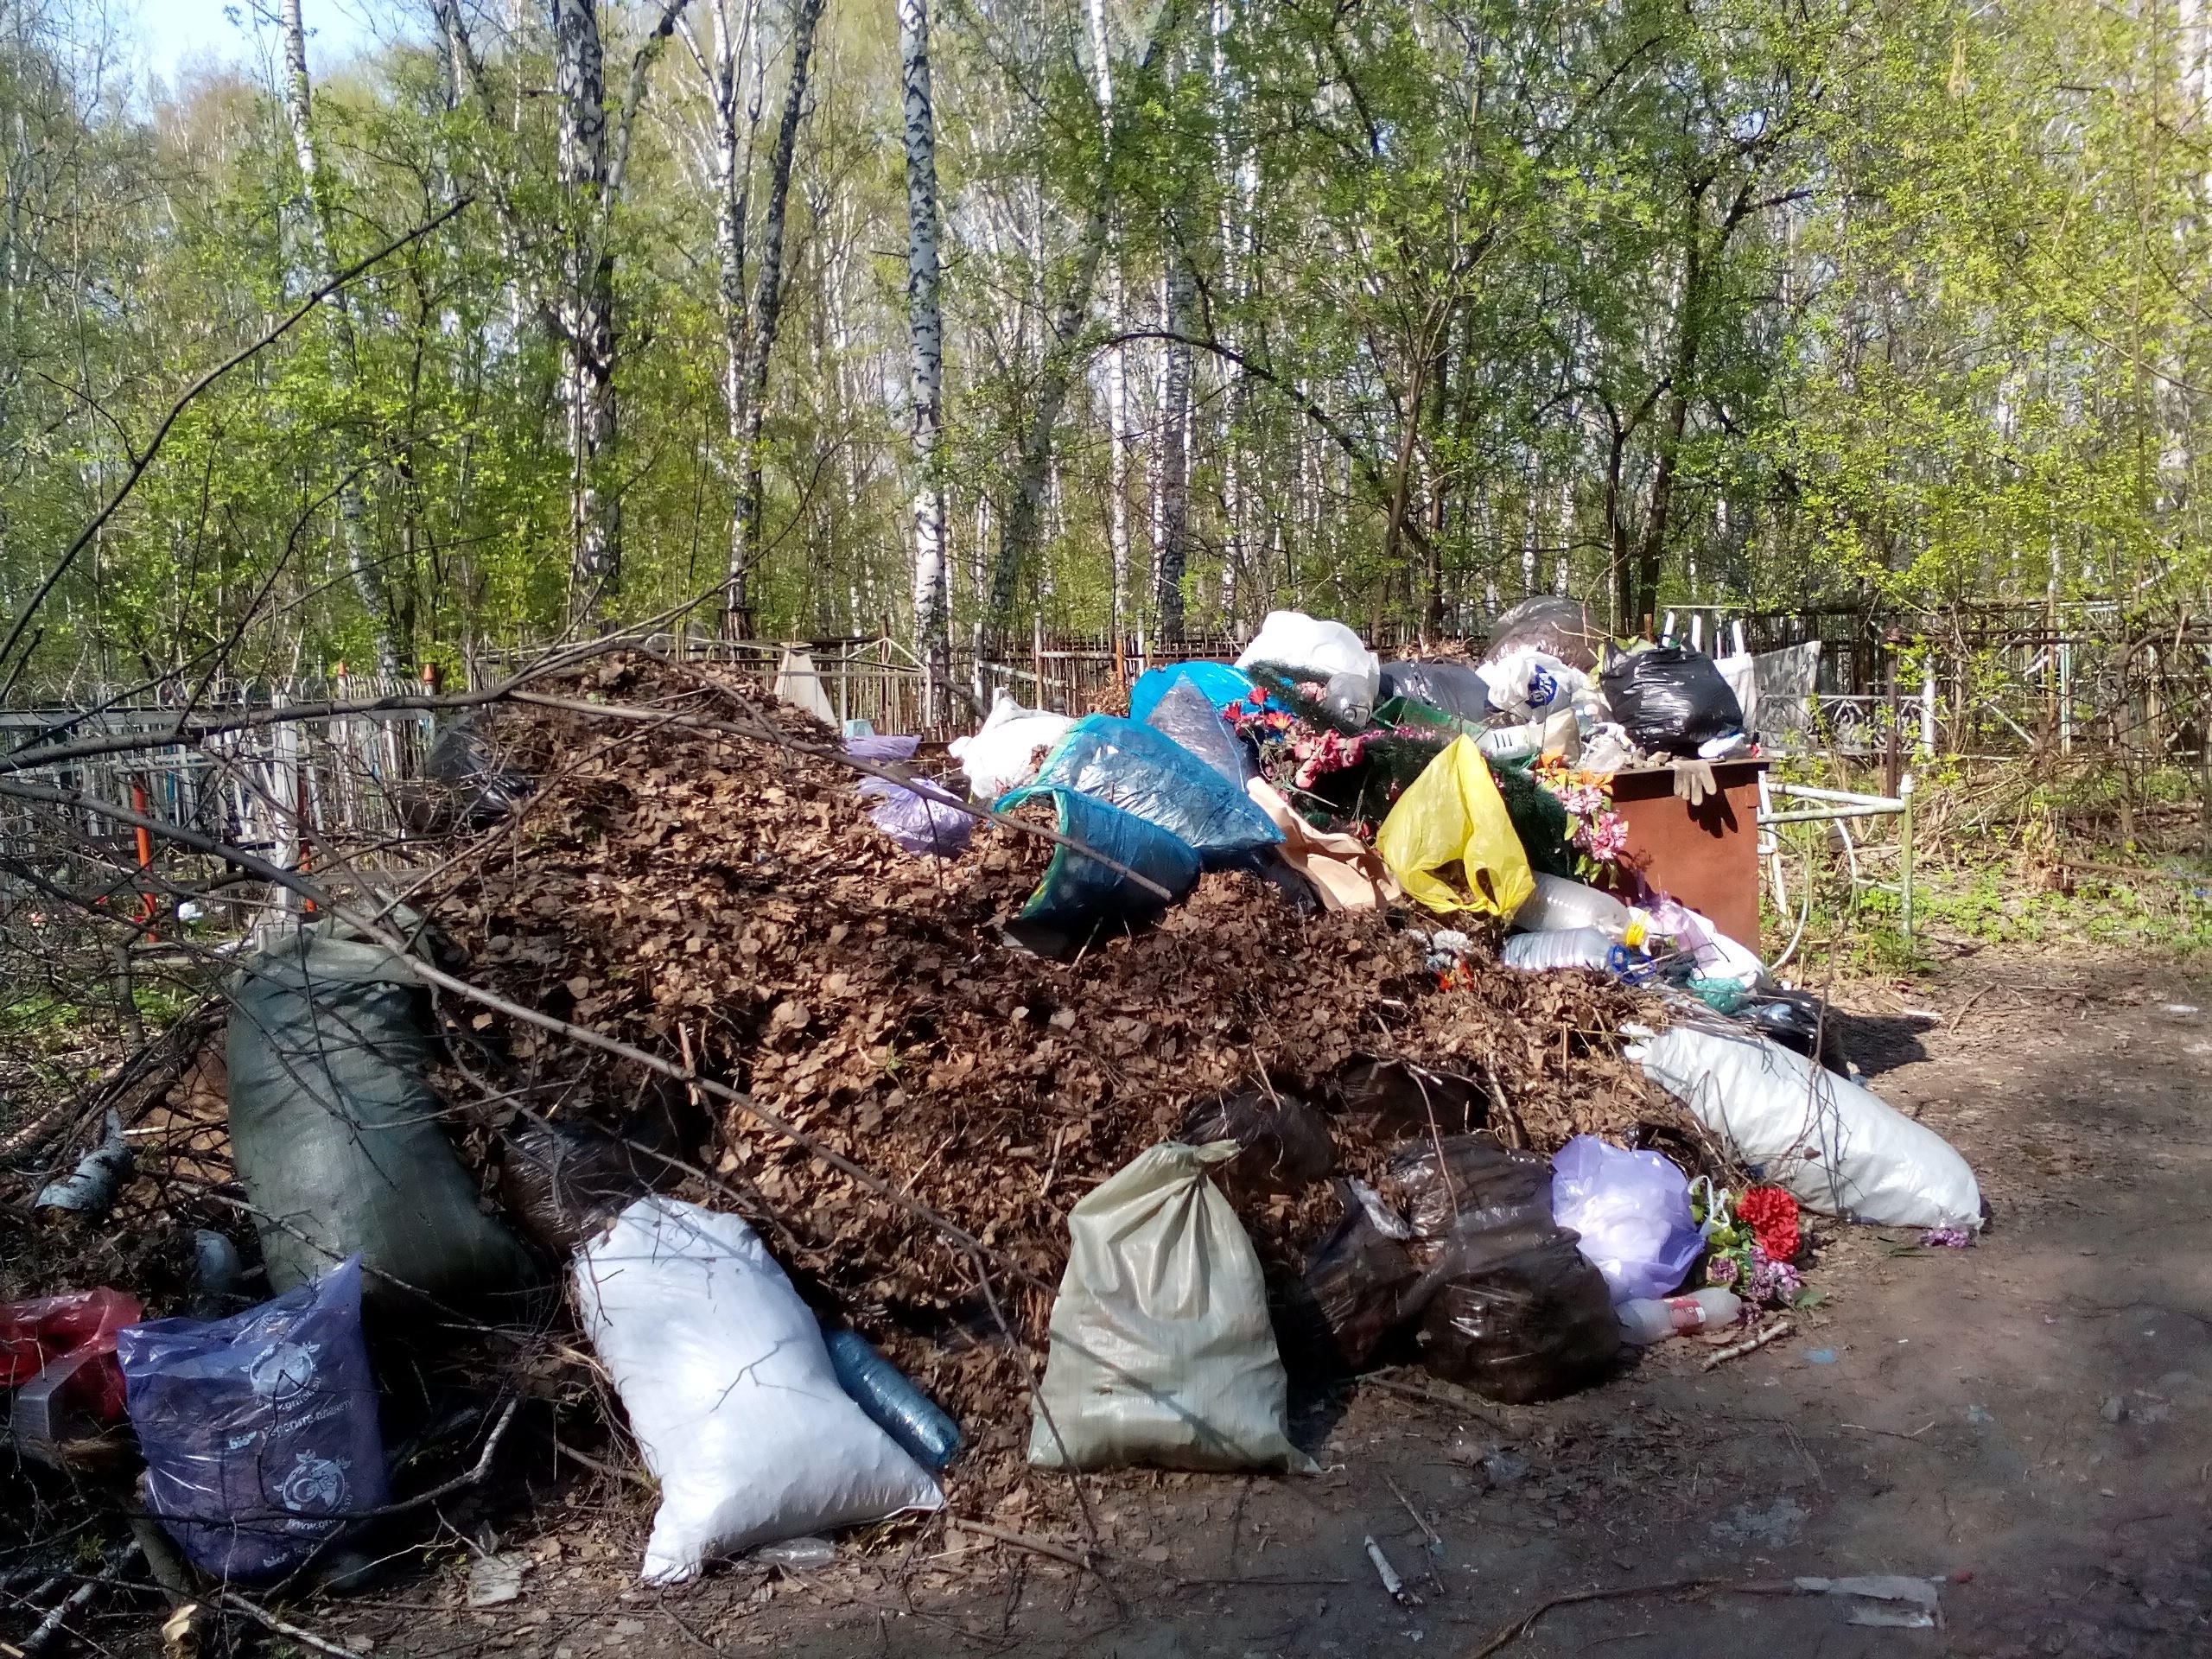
259,1431
919,819
1633,1209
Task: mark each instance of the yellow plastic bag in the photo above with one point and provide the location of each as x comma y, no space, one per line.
1450,841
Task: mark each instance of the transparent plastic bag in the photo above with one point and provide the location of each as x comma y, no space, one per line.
1632,1211
1282,1143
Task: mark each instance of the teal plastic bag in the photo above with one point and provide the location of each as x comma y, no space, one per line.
1151,776
1078,891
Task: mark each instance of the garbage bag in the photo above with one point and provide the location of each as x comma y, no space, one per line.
1219,682
1161,1351
334,1126
1353,1294
1186,714
1560,626
1152,776
1798,1020
1574,947
1510,1307
1396,1098
1282,1143
1450,841
1004,752
1832,1143
480,788
1079,891
1454,689
730,1391
1311,650
1671,699
1528,684
892,1403
925,819
1631,1211
259,1431
58,1352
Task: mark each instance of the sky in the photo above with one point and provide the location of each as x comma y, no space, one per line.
174,33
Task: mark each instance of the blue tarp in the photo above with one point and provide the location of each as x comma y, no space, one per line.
1152,776
1222,685
1078,892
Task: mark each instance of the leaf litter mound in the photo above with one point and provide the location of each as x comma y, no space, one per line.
725,900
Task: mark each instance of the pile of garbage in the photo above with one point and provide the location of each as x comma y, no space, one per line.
1176,1056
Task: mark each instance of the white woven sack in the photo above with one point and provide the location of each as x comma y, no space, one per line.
729,1390
1835,1145
1161,1349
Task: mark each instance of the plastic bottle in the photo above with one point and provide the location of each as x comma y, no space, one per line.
892,1403
1573,947
1644,1321
1558,904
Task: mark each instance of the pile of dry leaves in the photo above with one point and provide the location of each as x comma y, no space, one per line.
725,900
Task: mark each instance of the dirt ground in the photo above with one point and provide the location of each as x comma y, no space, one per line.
2025,1420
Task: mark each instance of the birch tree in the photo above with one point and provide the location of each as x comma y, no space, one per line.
925,324
353,536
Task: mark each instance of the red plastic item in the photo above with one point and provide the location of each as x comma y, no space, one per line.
80,1325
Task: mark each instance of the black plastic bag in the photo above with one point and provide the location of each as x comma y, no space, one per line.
1798,1020
1283,1142
1511,1308
1397,1098
1559,626
1671,699
478,788
1453,687
1356,1291
334,1126
1532,1324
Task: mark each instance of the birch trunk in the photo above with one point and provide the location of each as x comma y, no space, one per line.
353,511
756,330
1117,384
932,607
585,311
1171,554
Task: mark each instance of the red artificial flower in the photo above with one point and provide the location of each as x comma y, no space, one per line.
1772,1214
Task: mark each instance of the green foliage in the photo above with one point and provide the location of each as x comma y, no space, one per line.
1660,302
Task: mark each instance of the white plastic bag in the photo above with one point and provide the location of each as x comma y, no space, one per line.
730,1390
1162,1352
1572,947
1529,684
1558,906
1005,751
1840,1149
1320,649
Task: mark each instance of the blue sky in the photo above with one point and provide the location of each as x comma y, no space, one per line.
173,32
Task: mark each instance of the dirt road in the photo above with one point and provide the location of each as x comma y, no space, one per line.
2027,1420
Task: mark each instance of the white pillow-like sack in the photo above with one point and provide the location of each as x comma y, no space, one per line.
1328,651
1839,1147
730,1391
1004,753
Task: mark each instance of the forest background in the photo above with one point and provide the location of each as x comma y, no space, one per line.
950,318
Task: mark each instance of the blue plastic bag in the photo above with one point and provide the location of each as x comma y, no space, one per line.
1186,715
1078,892
1633,1209
1220,685
259,1431
1154,777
